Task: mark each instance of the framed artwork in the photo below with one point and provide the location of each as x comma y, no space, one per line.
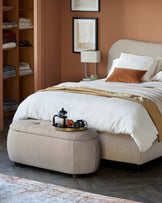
85,34
85,5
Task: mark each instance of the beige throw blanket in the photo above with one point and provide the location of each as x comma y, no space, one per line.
149,105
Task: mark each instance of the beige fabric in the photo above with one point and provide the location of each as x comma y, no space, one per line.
123,148
133,47
27,143
38,144
149,105
45,128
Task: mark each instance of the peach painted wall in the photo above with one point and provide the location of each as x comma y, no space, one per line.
109,27
117,19
52,54
142,20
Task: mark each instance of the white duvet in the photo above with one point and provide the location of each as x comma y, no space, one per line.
113,115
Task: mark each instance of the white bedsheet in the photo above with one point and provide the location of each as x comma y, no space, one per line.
113,115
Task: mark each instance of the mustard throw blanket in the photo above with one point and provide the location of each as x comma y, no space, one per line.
149,105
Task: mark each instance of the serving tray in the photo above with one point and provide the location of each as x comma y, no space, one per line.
70,129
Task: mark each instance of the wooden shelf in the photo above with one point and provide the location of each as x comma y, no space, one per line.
22,29
7,10
19,87
26,75
10,28
25,9
7,49
9,78
26,47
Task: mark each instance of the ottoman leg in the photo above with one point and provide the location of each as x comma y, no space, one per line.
75,176
15,163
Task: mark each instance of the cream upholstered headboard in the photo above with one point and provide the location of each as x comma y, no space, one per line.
133,47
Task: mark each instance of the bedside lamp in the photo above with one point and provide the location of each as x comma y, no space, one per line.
88,56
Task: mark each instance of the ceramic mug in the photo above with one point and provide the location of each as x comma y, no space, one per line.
81,123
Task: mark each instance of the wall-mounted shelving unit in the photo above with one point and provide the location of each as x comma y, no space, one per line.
18,87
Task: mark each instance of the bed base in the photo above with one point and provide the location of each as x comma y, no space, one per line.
122,148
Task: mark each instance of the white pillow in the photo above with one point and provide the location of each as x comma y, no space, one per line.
157,77
137,62
159,65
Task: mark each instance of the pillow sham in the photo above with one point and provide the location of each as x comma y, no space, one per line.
132,61
126,75
157,77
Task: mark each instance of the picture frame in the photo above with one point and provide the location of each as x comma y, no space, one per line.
85,34
85,5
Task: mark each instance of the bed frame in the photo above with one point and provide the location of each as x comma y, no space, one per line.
114,147
122,147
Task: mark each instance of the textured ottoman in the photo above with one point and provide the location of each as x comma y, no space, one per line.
38,143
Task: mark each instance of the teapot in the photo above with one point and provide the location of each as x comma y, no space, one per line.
61,119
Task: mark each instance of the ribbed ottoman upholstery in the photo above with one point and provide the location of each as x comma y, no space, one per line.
38,143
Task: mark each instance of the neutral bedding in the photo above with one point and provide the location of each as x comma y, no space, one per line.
112,115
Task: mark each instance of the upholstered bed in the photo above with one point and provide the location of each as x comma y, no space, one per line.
118,145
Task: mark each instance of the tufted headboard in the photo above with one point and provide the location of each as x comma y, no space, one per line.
134,47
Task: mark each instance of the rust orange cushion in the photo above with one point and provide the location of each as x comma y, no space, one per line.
126,75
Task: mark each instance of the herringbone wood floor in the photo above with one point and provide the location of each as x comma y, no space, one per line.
112,179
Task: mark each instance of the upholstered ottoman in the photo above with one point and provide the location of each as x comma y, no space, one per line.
38,143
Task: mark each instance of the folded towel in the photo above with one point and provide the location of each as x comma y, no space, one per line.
12,72
24,68
8,7
26,73
9,26
24,20
9,22
9,71
25,23
9,45
9,105
8,68
7,40
8,34
25,26
9,74
24,64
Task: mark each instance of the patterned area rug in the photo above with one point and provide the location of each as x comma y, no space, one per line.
18,190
